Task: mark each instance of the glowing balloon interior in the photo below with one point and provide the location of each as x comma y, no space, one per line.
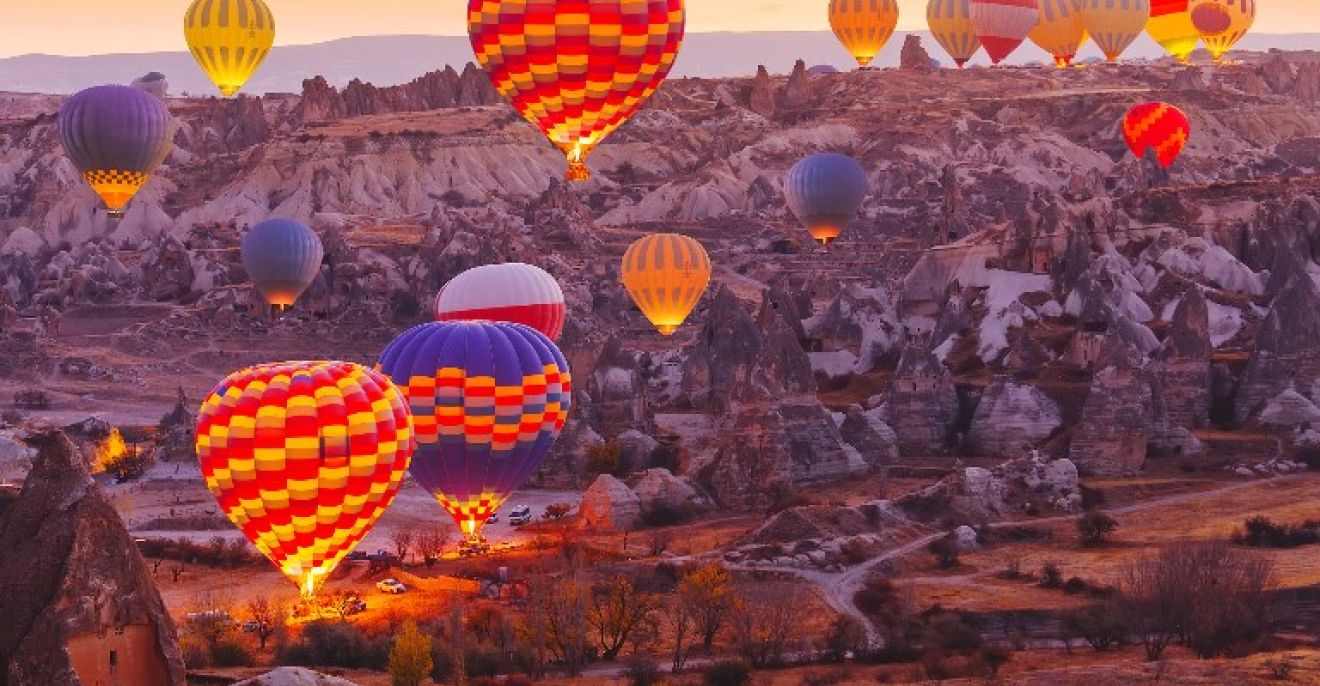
665,275
304,457
863,26
229,39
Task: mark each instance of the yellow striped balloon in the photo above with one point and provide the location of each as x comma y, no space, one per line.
1114,24
863,26
1171,26
951,24
666,275
1222,23
1061,30
229,39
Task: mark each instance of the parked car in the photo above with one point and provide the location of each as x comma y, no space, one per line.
494,517
391,586
220,616
359,555
355,605
520,515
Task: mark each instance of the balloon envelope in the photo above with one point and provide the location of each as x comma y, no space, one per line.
304,457
488,401
951,24
514,292
116,136
1060,31
666,275
1114,24
1002,25
825,191
1159,126
1171,26
282,257
229,39
863,26
577,70
1222,23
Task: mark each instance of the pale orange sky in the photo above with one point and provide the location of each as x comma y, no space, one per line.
82,27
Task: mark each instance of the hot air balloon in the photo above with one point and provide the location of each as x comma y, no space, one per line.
1060,31
229,39
1159,126
282,257
304,457
488,401
514,292
825,191
116,136
1222,23
577,70
666,275
1114,24
1002,25
863,26
951,25
1171,26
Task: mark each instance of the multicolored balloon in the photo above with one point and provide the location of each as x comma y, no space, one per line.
1222,23
1171,26
863,26
666,274
488,401
116,136
304,457
951,24
1114,24
229,39
577,69
1159,126
825,191
1002,25
1060,31
514,292
282,257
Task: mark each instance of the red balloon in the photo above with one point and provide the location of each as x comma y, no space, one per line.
1157,125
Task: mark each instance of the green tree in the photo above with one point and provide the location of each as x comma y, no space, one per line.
410,658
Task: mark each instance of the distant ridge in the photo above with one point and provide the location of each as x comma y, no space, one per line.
388,60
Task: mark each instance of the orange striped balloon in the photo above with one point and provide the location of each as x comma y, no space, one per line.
577,69
863,26
1061,30
304,457
666,275
951,24
1159,126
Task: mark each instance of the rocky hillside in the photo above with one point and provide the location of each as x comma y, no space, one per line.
1016,281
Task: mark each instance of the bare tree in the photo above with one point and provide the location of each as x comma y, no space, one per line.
403,539
763,620
265,617
681,620
431,544
558,612
617,610
177,567
658,542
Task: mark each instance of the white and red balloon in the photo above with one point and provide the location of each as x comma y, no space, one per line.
513,292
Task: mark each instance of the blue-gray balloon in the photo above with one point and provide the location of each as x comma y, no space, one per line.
825,191
116,136
282,257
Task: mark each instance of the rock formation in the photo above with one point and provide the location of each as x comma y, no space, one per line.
921,403
976,494
321,102
79,603
1285,353
1116,422
761,96
913,55
663,497
1011,419
869,435
1182,368
618,395
609,505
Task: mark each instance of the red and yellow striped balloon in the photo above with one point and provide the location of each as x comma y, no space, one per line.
577,69
1157,125
304,457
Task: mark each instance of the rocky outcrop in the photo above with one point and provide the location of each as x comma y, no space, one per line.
862,320
921,403
322,102
797,93
978,495
1116,422
1181,371
1285,350
1011,419
868,434
663,497
609,505
295,676
167,270
618,393
913,55
74,586
761,96
153,83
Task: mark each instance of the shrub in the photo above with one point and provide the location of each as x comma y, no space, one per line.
1076,586
32,399
335,644
1094,527
1102,626
641,670
603,458
231,653
727,673
945,550
1261,532
1051,576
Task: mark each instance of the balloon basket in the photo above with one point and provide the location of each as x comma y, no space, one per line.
577,171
